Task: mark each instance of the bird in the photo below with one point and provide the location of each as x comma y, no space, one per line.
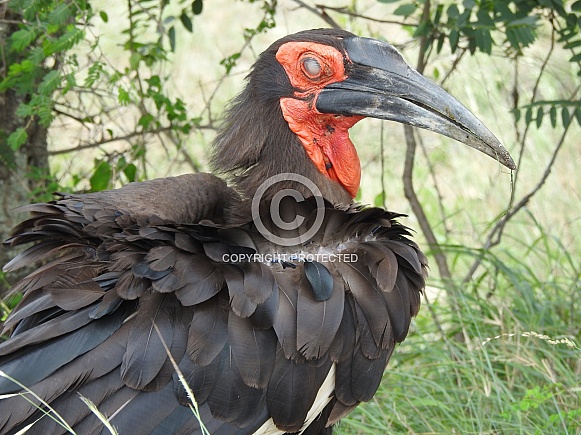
257,299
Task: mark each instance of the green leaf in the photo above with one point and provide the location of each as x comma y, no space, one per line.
21,39
512,38
36,55
379,199
17,138
422,29
104,16
60,14
71,81
453,11
44,112
134,60
68,40
540,114
229,62
565,117
528,115
405,10
130,172
576,6
154,82
484,20
576,58
441,40
438,16
94,73
123,96
483,40
574,44
50,82
578,115
387,1
24,110
146,120
101,177
528,21
454,38
197,7
553,116
187,22
171,34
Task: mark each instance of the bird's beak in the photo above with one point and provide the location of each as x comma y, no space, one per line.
382,85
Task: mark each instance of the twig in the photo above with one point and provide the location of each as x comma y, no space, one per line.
417,208
106,141
381,148
432,172
322,14
422,57
132,49
346,11
454,65
71,116
221,80
535,90
191,162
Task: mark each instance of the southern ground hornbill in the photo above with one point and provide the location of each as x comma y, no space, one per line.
279,299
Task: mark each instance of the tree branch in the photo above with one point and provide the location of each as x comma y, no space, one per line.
432,172
322,14
416,206
346,11
106,141
407,177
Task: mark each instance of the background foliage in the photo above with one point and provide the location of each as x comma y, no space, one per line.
94,94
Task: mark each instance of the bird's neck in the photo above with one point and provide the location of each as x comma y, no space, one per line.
260,155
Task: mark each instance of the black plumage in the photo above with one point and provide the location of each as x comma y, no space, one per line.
183,272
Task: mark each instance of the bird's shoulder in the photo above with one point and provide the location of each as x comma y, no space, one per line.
187,198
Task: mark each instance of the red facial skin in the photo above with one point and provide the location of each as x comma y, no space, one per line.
324,136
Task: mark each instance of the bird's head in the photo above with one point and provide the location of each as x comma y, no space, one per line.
308,89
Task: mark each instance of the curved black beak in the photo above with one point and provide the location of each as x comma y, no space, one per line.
382,85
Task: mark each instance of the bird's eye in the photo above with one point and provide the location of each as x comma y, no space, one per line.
311,67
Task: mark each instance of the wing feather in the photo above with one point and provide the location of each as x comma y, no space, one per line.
369,297
208,332
145,363
253,350
292,390
318,321
54,354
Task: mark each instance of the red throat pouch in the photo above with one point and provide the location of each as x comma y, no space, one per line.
325,137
